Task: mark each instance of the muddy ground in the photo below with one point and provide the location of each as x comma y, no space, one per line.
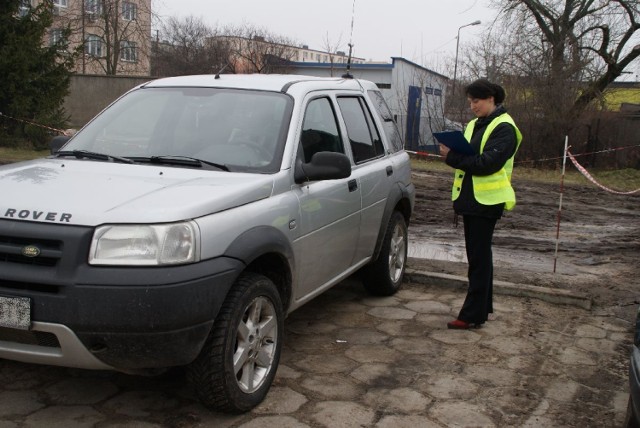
598,245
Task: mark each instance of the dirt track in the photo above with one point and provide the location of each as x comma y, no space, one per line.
599,240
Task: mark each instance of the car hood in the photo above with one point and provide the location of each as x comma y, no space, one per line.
91,193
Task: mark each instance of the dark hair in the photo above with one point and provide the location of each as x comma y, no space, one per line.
484,89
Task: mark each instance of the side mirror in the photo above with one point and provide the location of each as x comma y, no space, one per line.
57,142
323,166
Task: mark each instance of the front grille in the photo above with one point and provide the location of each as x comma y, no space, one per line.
11,251
25,337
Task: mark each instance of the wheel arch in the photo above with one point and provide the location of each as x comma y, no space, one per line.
400,199
267,251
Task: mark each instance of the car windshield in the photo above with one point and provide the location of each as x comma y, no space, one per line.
240,129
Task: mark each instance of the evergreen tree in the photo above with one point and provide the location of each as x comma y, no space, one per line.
35,73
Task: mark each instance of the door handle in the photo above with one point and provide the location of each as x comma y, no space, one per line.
353,185
389,170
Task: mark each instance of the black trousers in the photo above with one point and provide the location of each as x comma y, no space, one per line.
478,234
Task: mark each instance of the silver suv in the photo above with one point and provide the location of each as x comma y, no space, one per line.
184,222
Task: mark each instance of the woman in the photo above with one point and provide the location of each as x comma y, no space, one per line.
482,191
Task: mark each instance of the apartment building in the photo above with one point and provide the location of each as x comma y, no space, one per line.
116,33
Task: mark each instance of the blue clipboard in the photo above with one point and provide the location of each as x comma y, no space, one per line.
455,141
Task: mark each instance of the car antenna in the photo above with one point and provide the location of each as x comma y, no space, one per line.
221,70
348,75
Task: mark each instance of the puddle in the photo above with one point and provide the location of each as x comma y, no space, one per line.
422,250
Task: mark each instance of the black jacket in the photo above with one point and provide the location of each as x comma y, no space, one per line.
500,146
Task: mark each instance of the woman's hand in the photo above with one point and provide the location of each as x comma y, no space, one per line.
444,150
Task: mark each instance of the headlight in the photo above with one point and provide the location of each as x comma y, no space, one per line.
145,245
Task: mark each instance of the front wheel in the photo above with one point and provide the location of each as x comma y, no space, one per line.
383,277
238,362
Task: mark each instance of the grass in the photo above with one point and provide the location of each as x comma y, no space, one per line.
622,180
9,155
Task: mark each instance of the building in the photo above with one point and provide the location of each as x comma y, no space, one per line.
258,55
415,94
116,33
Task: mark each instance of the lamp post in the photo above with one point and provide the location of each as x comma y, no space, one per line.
455,66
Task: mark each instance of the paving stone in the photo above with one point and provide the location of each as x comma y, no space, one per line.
286,372
81,391
333,387
130,424
140,403
611,324
381,301
372,354
359,336
429,322
489,375
64,417
411,295
599,346
453,337
322,364
280,400
399,400
460,414
575,356
387,375
586,330
447,386
428,307
8,424
562,390
405,422
417,327
19,402
310,327
352,319
341,414
423,346
274,422
391,313
511,345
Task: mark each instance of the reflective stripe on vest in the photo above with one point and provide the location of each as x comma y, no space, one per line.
495,188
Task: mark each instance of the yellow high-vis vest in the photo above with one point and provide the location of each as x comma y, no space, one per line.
495,188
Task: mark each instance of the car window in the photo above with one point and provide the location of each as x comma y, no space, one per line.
363,136
320,129
389,125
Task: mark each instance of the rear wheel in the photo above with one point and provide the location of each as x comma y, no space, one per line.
238,362
383,277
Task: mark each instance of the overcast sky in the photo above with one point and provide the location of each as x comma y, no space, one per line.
423,31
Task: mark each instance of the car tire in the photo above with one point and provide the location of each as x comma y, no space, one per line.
247,331
383,277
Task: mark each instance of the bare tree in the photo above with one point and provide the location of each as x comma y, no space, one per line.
333,47
189,46
587,43
256,50
115,35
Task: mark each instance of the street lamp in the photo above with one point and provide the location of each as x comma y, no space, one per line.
455,66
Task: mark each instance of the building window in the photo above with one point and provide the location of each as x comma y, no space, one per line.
55,37
60,3
428,90
93,8
437,92
383,85
129,11
93,45
25,7
128,51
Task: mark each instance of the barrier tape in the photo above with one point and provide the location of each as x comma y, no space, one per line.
59,131
593,180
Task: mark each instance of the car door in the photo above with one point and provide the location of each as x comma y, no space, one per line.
329,218
373,169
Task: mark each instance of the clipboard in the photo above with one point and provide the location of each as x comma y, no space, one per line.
455,141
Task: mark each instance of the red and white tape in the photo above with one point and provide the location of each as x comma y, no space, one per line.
593,180
59,131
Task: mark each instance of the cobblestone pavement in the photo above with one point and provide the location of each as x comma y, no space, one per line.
352,360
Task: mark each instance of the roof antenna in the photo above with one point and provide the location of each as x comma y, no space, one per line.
348,75
221,70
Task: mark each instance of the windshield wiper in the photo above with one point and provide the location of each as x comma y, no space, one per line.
85,154
184,160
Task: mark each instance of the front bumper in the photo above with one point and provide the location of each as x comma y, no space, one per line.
124,318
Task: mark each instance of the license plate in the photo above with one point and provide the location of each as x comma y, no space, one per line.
15,312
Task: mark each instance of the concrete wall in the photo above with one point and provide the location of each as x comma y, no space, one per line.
89,94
